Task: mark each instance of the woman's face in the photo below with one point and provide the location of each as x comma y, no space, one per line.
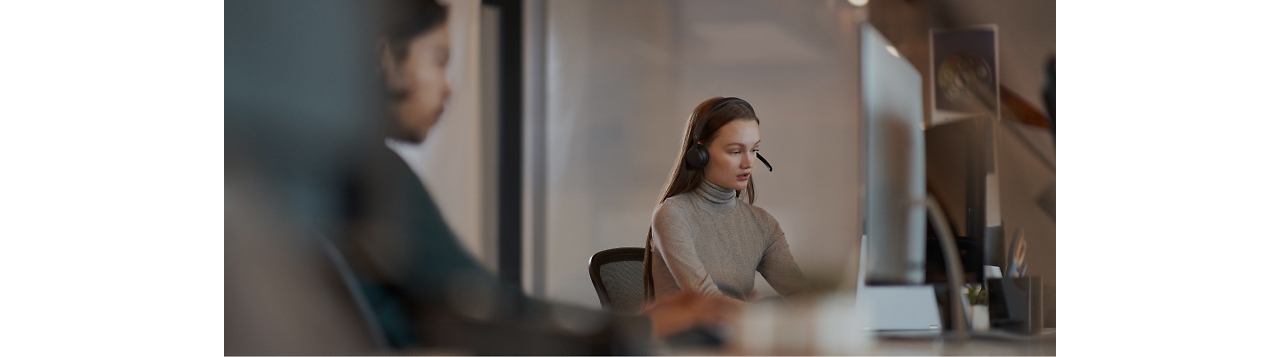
731,154
421,75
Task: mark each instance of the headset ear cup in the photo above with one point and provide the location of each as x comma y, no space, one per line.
702,156
696,157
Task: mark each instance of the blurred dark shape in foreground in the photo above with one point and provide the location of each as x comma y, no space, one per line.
332,245
1050,94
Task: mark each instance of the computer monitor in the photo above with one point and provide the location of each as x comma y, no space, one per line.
891,293
894,164
959,166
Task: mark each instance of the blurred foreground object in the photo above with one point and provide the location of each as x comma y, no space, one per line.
281,295
287,129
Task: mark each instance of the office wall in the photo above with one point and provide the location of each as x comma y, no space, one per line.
621,79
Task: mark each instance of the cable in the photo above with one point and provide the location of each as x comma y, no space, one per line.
955,277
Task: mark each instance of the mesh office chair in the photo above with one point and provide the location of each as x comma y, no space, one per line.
617,275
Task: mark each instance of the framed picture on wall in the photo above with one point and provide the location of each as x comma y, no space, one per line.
964,73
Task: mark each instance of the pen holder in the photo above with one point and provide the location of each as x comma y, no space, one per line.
1016,304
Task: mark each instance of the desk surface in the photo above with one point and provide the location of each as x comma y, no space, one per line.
981,344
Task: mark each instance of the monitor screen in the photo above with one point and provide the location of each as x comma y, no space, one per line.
893,121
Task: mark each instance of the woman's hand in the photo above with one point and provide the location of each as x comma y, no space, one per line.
689,309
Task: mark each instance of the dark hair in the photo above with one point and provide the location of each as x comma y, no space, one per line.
406,19
684,178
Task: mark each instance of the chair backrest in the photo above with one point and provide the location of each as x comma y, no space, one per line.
616,274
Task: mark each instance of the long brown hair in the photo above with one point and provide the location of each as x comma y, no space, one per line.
684,178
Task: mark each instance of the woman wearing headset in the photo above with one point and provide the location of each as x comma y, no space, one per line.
704,236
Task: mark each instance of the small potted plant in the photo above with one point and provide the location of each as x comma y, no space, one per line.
979,314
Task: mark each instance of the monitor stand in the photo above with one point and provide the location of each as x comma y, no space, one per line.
913,309
895,309
901,309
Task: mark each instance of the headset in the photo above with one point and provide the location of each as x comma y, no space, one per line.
696,157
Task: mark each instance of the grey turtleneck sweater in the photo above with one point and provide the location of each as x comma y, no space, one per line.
710,241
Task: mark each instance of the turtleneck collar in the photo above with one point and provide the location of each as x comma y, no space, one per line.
716,194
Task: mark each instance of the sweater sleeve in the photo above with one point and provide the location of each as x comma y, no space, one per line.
776,265
674,241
